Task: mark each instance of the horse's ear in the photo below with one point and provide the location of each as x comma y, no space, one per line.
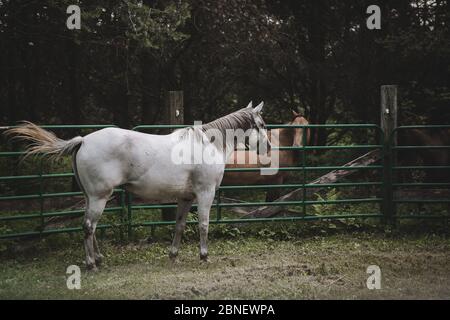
295,114
250,104
259,107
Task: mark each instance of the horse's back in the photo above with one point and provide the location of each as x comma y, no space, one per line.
142,163
112,156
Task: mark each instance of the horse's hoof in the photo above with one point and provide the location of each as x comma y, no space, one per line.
99,259
173,255
91,268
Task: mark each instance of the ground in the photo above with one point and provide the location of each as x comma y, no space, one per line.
265,266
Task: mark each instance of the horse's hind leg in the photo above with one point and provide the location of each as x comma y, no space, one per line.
205,200
94,210
182,211
97,255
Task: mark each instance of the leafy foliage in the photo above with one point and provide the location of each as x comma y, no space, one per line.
317,57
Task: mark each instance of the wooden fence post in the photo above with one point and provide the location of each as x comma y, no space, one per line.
174,108
388,124
388,109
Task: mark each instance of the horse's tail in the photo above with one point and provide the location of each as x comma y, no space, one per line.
43,141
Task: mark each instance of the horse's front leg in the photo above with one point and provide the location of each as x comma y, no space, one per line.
205,200
182,211
274,194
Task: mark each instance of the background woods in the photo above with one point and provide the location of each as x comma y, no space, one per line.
351,200
314,56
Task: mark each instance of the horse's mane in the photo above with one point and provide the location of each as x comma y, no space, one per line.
241,119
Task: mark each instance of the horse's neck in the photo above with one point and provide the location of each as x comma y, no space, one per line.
286,137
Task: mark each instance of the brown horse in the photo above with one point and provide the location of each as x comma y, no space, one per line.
286,137
428,157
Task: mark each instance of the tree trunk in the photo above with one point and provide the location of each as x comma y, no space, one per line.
75,102
121,93
317,56
11,63
146,78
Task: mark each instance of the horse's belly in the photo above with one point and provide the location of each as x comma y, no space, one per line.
160,191
251,177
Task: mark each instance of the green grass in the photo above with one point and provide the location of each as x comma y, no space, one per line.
259,261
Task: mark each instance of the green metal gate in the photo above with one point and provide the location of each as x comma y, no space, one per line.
126,211
395,168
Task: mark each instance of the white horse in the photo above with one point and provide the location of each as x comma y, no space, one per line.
142,163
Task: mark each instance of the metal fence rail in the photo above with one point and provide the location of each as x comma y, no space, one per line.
126,210
395,169
41,177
